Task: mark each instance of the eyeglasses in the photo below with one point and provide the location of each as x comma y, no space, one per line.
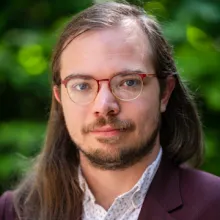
84,89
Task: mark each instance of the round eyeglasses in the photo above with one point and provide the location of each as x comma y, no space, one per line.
84,89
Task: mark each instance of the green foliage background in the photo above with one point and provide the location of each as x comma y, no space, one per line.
28,31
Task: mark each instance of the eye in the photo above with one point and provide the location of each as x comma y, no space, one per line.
130,82
82,86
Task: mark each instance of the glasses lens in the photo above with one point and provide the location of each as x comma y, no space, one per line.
126,86
82,90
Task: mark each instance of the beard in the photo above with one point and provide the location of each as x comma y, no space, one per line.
125,156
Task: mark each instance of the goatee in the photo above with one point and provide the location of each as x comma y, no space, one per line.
126,156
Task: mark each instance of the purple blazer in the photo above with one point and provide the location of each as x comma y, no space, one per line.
176,193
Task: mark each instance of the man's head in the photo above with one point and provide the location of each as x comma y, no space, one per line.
112,131
103,42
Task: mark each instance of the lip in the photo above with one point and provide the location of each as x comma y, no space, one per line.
107,131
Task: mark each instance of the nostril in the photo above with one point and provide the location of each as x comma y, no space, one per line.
112,111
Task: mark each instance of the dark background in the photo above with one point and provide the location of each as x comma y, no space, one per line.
28,32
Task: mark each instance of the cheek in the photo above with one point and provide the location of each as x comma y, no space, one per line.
146,111
74,115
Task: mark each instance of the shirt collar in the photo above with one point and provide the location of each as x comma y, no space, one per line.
137,194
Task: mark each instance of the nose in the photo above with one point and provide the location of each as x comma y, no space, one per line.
105,103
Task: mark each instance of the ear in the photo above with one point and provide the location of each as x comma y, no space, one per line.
56,93
170,85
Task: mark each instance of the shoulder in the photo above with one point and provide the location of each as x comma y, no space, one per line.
6,206
200,188
199,181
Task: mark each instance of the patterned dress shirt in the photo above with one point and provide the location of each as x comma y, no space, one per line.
126,206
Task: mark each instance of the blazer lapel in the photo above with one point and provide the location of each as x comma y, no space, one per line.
163,196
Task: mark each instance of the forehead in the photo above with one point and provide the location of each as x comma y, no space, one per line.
107,50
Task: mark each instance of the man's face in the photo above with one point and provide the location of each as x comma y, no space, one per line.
93,127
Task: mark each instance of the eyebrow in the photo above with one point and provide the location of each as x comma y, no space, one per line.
86,76
127,71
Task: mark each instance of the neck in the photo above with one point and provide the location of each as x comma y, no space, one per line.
102,183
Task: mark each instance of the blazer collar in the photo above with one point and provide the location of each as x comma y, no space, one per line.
163,195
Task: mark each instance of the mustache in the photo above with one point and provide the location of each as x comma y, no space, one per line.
113,122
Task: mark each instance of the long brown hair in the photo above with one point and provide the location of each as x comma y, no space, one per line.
51,191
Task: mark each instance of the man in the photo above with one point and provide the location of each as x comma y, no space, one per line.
122,128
